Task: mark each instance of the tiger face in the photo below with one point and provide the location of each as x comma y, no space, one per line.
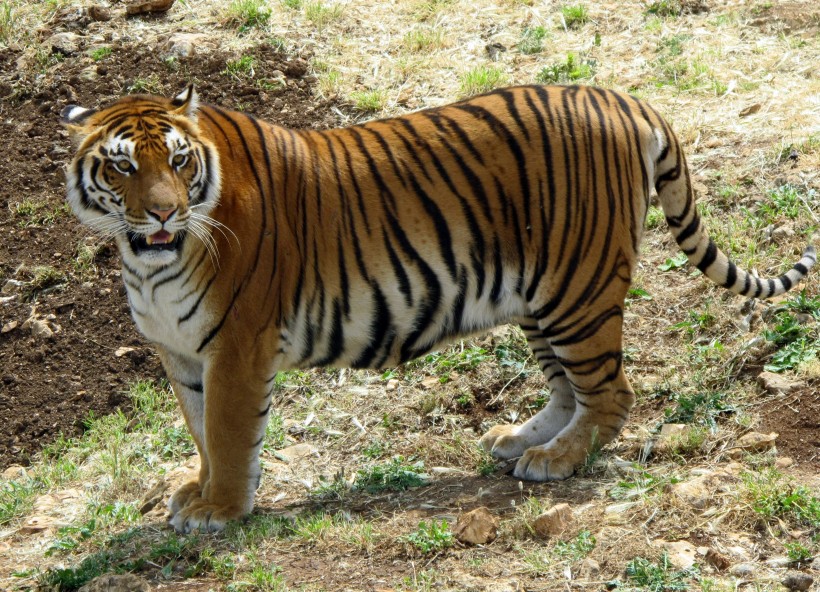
143,175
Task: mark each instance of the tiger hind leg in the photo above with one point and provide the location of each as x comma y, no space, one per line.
510,441
603,399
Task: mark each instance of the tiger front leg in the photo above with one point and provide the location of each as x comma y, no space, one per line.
235,415
185,376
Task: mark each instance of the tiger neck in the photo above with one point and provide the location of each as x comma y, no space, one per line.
167,303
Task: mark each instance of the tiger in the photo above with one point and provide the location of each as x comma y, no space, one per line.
248,248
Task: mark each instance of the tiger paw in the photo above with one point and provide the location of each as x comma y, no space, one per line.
500,441
204,516
183,496
545,463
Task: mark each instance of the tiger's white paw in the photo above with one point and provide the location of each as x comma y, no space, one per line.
545,463
503,441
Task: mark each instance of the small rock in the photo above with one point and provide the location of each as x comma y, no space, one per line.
41,330
117,583
121,351
797,580
750,110
703,491
14,472
554,521
296,452
775,383
66,44
783,462
430,382
717,560
392,385
296,68
89,74
148,6
589,569
36,524
183,45
12,287
99,13
783,232
778,561
756,442
742,570
671,436
476,527
10,326
682,554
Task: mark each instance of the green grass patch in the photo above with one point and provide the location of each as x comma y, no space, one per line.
532,40
150,85
100,53
700,408
573,69
774,496
574,16
239,68
396,475
785,200
369,100
481,79
423,40
431,537
457,359
665,8
659,576
797,341
37,213
248,14
321,14
576,548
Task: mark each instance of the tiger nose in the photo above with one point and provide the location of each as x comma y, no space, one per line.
162,215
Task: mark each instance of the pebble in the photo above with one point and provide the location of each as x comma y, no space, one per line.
554,521
476,527
296,452
742,570
797,580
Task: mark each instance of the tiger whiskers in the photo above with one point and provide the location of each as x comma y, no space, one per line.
215,224
199,228
109,226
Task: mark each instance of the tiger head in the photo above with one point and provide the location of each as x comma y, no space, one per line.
143,174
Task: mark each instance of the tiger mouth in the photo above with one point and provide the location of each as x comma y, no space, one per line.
159,241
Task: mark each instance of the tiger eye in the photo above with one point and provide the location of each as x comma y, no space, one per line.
124,166
179,160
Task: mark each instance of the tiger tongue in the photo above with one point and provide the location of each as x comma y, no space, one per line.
159,238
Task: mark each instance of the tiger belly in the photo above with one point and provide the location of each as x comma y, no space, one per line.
384,330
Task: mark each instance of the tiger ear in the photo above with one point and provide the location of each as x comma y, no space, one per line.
187,102
74,117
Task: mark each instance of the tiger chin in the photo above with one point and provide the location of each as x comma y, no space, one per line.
248,248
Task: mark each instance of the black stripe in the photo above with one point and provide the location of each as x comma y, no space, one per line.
731,275
708,257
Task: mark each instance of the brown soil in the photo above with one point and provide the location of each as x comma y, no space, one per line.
48,386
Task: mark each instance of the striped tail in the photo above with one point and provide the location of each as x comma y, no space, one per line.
677,199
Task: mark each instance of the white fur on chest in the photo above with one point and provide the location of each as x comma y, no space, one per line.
163,313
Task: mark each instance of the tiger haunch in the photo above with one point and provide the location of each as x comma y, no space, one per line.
249,248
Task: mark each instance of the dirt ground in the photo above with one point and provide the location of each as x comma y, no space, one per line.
49,385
